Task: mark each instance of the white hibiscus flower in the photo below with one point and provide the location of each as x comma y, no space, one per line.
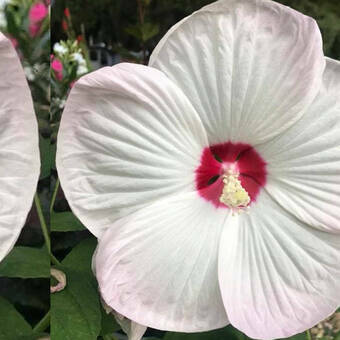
239,111
19,148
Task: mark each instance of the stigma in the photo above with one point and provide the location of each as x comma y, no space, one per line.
234,195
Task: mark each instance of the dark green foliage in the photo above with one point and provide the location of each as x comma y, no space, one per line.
26,263
116,22
13,325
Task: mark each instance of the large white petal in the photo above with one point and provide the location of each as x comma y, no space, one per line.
304,163
249,67
158,266
278,276
19,148
128,136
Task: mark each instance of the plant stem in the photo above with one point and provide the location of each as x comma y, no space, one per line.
141,12
54,195
309,336
44,229
43,323
42,223
54,260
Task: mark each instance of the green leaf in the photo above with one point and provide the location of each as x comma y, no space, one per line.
109,324
134,30
26,262
46,155
65,221
143,32
80,257
13,325
226,333
76,310
149,30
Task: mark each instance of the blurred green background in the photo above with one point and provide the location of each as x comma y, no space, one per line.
117,23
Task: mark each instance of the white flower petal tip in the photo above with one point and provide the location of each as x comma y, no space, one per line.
160,270
278,276
128,137
19,148
133,330
250,68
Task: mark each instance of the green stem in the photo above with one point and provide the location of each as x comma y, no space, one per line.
309,336
42,223
54,195
44,229
54,260
42,324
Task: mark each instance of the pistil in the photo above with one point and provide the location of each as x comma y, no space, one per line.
234,195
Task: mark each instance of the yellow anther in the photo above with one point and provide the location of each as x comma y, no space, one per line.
233,194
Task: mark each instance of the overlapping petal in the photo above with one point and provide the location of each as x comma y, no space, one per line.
278,276
158,266
304,163
19,149
249,67
128,136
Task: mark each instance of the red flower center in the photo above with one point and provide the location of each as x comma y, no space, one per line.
217,159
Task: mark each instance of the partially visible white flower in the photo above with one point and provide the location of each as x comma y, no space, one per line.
29,73
3,3
78,57
19,148
82,69
3,20
60,103
59,49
